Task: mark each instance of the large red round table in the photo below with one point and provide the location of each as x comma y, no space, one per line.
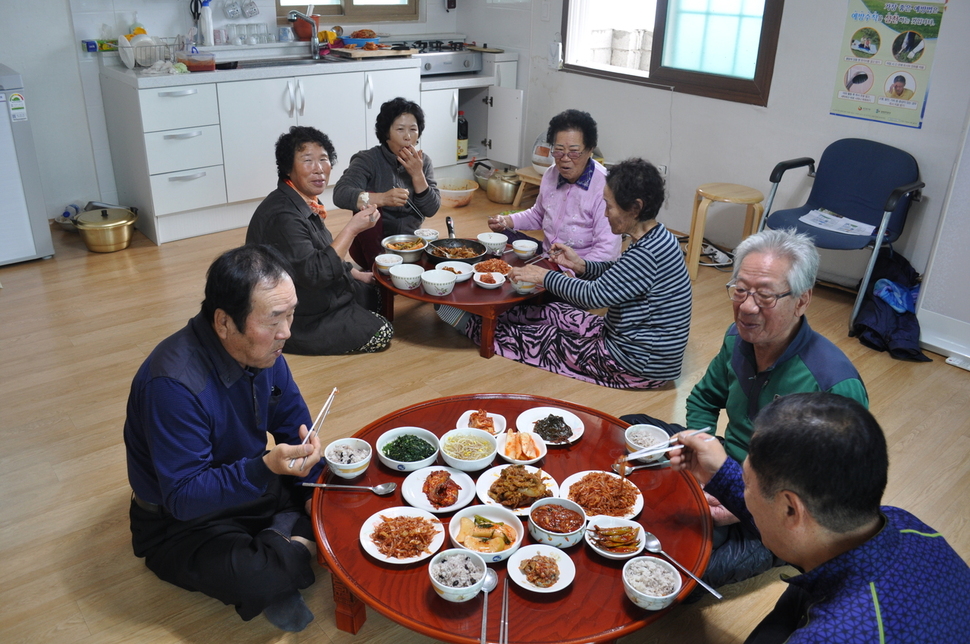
593,609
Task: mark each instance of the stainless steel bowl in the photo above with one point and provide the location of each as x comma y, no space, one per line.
409,256
452,242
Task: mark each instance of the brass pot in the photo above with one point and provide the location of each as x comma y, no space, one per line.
106,230
502,187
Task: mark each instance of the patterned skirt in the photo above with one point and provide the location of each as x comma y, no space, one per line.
562,339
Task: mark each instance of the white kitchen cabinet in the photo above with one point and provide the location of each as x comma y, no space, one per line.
440,138
253,115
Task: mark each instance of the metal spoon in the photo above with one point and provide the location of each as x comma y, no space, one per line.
491,581
630,468
380,490
652,544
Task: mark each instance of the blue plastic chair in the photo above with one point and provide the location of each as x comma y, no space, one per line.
870,182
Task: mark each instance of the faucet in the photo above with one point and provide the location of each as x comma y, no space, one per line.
314,39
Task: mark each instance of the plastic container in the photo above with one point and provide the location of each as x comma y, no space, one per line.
205,26
462,136
198,62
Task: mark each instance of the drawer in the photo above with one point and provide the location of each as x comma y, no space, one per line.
171,150
188,189
170,108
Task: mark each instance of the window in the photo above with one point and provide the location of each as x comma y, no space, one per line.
374,10
718,48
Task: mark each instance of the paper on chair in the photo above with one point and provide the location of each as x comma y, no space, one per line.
828,220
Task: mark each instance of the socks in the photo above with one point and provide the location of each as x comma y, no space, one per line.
289,614
453,316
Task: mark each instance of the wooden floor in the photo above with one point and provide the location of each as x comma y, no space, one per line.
74,329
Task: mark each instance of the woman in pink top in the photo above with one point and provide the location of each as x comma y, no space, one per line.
570,208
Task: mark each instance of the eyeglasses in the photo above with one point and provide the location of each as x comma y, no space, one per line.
762,300
558,153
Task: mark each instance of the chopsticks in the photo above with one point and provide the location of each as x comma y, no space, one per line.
650,451
315,428
503,626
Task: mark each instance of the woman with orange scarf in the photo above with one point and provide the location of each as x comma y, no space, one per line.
337,306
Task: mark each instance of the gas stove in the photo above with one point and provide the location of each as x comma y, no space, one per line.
443,56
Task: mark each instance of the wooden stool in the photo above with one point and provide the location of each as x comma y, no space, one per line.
726,193
527,176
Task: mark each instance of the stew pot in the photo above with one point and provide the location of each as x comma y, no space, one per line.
106,230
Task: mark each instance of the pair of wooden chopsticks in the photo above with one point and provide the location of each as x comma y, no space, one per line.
650,451
317,424
503,625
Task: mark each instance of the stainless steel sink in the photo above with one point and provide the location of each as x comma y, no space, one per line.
283,62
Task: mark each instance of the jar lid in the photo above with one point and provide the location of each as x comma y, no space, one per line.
105,218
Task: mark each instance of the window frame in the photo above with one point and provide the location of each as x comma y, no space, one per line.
727,88
348,10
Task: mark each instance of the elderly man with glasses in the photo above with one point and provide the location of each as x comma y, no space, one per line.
770,351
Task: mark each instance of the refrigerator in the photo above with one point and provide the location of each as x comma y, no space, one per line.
24,227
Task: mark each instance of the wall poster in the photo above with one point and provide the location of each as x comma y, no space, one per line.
885,61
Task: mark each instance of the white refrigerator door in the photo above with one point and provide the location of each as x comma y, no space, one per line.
16,238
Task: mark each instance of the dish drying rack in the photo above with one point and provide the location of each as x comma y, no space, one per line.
146,54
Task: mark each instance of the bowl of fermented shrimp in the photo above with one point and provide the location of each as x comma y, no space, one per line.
557,522
492,531
409,247
468,449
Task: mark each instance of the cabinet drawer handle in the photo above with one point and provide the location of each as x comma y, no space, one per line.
180,92
184,135
188,177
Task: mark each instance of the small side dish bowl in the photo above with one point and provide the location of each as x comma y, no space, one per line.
459,443
602,521
524,248
503,439
636,572
406,277
498,277
495,513
427,234
457,574
386,261
406,466
551,537
494,242
567,569
643,436
411,255
436,282
348,457
463,271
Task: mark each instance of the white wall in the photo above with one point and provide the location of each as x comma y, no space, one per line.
703,140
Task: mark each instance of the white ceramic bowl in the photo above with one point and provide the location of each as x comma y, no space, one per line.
348,470
437,282
464,270
503,438
499,280
462,593
494,242
494,513
644,600
427,234
524,248
385,261
406,466
409,256
658,438
557,539
567,569
612,522
406,277
524,288
456,193
468,465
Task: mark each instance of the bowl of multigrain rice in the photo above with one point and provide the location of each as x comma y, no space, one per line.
651,583
457,575
348,457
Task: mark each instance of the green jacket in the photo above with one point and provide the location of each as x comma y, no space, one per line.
732,382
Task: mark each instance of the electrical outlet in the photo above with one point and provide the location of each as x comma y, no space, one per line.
662,169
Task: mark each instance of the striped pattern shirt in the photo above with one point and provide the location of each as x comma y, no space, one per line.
648,292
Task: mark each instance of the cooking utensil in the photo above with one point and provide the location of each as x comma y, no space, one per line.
652,544
502,186
380,490
106,230
491,581
453,242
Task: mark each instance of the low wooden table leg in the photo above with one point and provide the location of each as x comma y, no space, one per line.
350,613
487,349
387,302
